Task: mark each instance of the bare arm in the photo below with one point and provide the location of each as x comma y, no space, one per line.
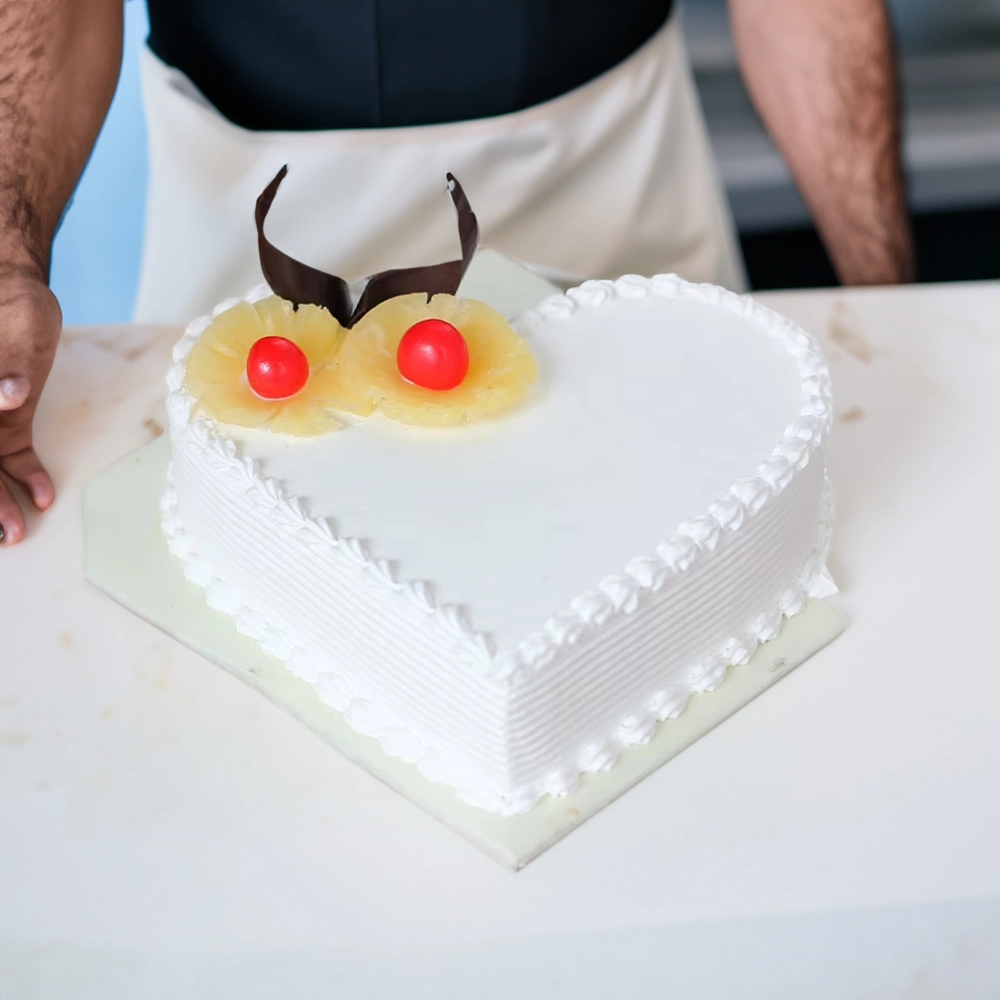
59,63
821,74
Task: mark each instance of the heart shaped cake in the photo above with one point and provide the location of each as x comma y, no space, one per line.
512,596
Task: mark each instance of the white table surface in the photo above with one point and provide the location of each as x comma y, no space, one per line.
165,832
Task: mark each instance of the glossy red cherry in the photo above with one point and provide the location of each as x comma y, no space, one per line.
433,354
276,368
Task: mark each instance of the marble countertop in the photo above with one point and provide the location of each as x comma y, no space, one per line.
165,831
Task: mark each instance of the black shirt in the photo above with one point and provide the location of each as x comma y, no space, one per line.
325,64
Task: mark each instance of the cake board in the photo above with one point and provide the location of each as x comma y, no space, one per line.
126,556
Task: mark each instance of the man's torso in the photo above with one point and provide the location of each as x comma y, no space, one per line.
333,64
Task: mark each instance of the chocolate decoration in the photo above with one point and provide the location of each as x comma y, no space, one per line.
433,278
300,283
291,279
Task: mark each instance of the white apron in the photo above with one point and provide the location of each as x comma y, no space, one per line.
613,177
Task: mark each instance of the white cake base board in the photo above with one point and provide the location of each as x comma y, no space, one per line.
126,556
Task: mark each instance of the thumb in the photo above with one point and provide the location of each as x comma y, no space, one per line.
13,392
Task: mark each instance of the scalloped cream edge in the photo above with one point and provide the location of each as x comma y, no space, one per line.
614,597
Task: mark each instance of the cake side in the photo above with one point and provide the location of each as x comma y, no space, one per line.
674,642
315,596
507,725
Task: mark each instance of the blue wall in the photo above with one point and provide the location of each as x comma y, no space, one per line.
95,257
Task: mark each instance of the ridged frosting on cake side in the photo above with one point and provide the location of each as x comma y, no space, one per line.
505,722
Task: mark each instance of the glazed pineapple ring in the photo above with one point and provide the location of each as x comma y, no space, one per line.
216,368
501,365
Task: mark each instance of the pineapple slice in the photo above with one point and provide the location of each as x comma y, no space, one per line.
501,365
216,368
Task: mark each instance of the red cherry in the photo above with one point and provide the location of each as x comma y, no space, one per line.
433,354
276,368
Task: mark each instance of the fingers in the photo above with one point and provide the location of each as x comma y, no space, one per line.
14,392
25,467
30,321
11,518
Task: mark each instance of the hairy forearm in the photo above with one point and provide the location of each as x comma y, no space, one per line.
59,63
822,76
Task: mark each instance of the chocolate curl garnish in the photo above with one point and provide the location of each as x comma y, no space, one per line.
291,279
300,283
434,278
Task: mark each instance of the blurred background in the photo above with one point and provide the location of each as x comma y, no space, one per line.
950,73
950,68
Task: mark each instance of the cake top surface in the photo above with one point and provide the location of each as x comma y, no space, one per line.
649,407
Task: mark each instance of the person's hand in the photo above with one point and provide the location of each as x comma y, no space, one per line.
30,323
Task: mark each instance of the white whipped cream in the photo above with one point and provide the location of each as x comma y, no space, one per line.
512,603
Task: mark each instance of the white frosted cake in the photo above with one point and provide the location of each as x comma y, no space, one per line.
512,602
